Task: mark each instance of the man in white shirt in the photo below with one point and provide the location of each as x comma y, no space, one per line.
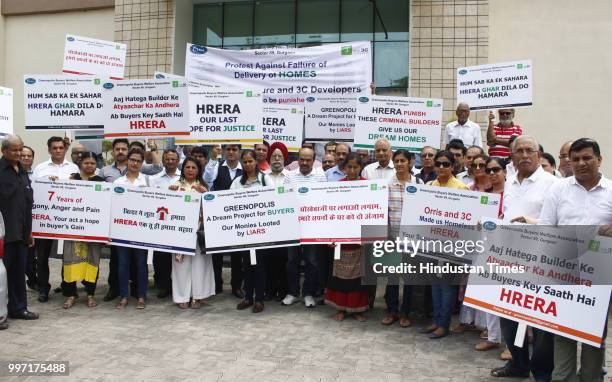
383,168
56,168
305,174
464,129
524,196
231,156
582,199
162,261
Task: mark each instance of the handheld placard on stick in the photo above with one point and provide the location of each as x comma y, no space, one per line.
150,256
337,252
60,247
253,256
520,335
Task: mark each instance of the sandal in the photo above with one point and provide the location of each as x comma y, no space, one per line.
360,317
122,303
405,321
69,302
389,319
183,305
340,316
91,303
141,303
196,304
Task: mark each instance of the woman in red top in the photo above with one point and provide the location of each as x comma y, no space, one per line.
344,290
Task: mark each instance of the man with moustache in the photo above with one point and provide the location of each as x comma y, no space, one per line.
329,161
335,173
524,196
428,171
499,135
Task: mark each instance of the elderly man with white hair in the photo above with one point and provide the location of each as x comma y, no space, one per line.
463,128
16,200
383,167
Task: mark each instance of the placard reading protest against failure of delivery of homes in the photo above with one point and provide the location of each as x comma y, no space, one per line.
286,74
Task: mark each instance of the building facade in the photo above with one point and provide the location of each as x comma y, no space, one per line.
417,45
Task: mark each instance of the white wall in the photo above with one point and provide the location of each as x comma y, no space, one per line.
568,41
34,44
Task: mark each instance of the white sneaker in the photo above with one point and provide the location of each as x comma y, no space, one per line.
309,302
290,300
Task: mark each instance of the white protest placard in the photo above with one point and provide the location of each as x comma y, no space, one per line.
6,111
285,73
407,122
334,212
285,124
71,209
330,118
190,83
553,292
148,218
250,218
84,55
146,108
496,86
63,102
447,215
224,115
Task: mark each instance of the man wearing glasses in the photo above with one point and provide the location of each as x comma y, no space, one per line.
428,171
499,135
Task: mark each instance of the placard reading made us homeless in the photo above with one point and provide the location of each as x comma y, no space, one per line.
63,102
407,122
250,218
495,86
146,108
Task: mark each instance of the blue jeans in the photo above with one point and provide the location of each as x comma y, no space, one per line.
310,253
392,299
443,301
125,257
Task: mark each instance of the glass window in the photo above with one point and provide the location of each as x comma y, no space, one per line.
274,22
318,21
394,15
208,25
357,22
391,64
238,24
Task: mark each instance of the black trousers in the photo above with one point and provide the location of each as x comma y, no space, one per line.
43,251
162,265
237,270
326,267
31,267
113,270
254,277
275,260
541,363
15,259
70,289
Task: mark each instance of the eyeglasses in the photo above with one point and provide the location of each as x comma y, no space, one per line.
491,170
563,156
427,155
505,113
442,164
131,160
478,165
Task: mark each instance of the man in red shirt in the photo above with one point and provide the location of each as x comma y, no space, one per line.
498,135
